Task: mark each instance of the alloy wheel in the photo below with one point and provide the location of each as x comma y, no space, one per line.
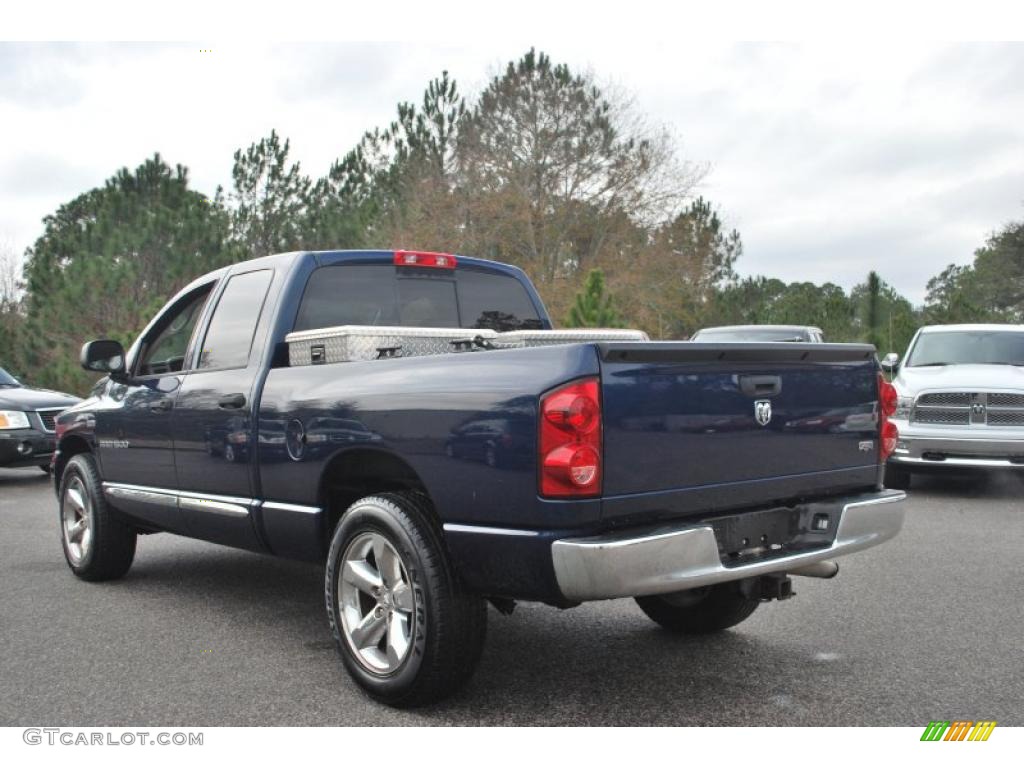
376,603
76,514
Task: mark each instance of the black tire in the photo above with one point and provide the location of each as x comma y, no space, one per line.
45,468
449,624
897,478
700,611
112,546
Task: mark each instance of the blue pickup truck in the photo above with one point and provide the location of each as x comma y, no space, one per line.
697,478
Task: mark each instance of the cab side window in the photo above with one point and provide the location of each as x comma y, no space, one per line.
165,353
229,337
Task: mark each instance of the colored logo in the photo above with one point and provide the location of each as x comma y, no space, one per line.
958,730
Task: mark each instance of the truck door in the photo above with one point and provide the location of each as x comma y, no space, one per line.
214,435
135,441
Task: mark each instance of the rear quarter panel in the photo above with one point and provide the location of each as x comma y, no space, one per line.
423,410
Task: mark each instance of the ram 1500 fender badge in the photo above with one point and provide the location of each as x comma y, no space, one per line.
763,412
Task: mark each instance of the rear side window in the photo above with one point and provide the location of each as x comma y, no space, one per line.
381,294
229,338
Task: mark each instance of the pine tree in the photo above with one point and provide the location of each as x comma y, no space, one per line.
593,308
873,318
109,259
270,196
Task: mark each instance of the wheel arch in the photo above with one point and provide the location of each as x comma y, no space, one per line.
357,472
69,447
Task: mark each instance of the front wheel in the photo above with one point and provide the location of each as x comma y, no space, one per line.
98,544
406,630
700,611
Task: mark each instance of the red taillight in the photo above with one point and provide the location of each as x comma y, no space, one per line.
425,259
887,432
889,437
570,440
571,410
886,397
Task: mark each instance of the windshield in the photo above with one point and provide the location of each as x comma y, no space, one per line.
373,294
751,334
966,347
6,380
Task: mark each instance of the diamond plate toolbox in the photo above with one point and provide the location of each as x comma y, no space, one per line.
568,336
346,343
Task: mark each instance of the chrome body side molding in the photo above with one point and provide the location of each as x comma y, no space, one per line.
141,494
232,506
219,506
459,528
284,507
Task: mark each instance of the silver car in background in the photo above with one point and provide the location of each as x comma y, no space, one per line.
961,400
795,333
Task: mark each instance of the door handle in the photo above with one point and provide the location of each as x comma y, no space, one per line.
760,386
237,400
161,405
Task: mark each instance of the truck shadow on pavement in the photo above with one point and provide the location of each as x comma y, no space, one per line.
601,663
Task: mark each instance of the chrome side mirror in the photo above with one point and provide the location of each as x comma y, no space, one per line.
891,362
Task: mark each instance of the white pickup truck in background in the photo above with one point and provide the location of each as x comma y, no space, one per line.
961,400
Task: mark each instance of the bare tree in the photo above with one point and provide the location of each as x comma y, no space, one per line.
11,319
10,276
546,170
568,165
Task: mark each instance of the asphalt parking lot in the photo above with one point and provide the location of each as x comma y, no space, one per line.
926,627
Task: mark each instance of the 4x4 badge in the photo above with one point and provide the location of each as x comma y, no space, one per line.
763,412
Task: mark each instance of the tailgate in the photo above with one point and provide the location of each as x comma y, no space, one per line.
793,419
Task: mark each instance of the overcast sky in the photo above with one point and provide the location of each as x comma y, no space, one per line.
831,160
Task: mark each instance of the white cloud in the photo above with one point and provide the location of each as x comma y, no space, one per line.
831,159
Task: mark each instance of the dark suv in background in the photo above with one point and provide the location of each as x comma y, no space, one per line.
26,422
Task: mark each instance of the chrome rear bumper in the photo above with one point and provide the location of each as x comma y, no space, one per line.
669,560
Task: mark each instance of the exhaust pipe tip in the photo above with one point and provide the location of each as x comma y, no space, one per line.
826,569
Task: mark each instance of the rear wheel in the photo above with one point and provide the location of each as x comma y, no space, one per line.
700,611
406,630
98,544
45,468
896,477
